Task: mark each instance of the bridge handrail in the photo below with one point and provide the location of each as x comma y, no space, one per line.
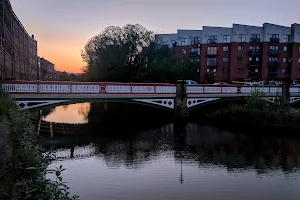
230,89
69,87
87,87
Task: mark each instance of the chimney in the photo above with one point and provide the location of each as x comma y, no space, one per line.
32,36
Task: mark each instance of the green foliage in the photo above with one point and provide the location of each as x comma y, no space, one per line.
257,112
130,54
23,166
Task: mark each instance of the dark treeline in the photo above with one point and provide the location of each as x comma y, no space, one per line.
130,54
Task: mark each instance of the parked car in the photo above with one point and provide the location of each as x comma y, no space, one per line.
221,83
190,82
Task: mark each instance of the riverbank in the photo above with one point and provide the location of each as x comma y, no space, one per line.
23,166
256,114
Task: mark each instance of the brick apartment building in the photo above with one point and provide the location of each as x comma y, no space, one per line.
240,53
18,49
48,72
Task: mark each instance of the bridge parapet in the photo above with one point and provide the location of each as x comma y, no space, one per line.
61,87
228,89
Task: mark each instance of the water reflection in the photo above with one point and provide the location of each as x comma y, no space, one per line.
73,113
193,143
119,156
208,162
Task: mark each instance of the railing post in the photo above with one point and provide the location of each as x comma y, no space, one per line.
71,87
181,109
38,86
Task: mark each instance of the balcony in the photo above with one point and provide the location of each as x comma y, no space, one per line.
254,40
211,41
254,64
211,53
254,52
274,63
272,75
195,53
274,40
253,75
212,63
210,74
274,51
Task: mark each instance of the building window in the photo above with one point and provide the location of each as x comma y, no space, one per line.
285,60
242,38
254,48
286,38
226,48
298,71
273,59
274,47
174,43
197,50
225,60
226,39
256,59
274,38
255,38
225,70
285,48
299,48
240,48
211,61
298,60
207,70
240,59
239,70
196,40
195,60
212,50
183,41
212,39
283,71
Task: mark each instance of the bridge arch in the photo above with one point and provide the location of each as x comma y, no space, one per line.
164,104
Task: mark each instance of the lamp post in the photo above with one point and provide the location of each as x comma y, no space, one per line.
183,50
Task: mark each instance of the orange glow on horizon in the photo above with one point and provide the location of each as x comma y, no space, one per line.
64,53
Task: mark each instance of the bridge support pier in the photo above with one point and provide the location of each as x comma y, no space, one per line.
285,98
181,110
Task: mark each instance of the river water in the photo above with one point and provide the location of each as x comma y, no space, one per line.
176,161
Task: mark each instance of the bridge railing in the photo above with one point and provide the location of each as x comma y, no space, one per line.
62,87
229,89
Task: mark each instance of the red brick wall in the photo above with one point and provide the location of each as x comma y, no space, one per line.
295,53
234,64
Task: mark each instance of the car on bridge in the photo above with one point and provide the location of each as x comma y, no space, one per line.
189,82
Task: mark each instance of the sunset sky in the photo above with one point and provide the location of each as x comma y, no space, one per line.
62,27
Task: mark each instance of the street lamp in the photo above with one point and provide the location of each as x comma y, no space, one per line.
183,50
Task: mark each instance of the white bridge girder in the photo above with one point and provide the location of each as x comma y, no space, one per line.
29,104
167,103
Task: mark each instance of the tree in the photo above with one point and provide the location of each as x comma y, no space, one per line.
113,54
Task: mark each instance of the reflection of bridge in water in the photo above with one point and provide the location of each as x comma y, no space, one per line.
194,144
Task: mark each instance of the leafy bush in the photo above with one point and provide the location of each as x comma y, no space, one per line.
23,167
257,111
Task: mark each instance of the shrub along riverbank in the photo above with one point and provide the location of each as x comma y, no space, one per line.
256,113
23,166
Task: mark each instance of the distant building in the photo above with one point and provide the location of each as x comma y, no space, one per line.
239,53
47,71
18,49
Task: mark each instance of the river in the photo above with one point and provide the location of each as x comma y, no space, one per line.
176,161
